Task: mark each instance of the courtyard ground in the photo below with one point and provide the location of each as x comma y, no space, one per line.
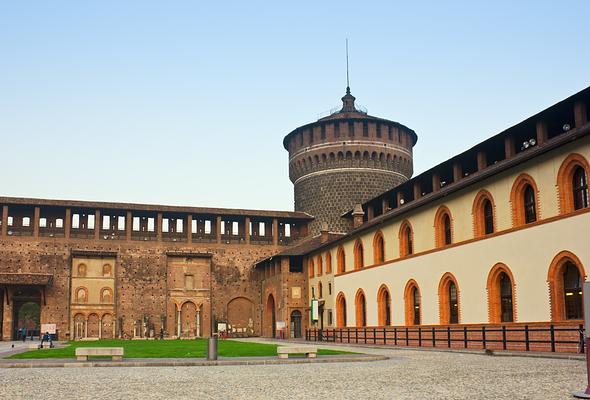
408,374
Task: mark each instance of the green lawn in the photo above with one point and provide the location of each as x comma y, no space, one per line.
167,349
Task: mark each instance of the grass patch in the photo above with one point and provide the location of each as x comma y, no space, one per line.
167,349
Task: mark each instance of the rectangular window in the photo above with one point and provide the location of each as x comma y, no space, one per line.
59,223
234,228
26,221
287,230
10,221
151,225
75,221
42,222
207,227
165,223
90,224
261,229
135,225
121,223
194,226
179,225
329,317
330,288
106,220
189,282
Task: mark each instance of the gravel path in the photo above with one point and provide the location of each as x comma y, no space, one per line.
408,375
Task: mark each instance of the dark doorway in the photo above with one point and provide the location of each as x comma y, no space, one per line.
271,321
26,312
296,324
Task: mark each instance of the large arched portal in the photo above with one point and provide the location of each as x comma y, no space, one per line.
27,312
188,317
270,317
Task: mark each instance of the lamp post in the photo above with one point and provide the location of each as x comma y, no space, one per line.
586,296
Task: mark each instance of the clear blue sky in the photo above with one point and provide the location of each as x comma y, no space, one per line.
188,102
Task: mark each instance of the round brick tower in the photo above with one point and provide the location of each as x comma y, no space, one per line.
344,159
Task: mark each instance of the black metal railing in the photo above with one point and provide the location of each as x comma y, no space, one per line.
549,337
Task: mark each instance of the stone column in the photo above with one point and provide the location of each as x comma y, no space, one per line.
542,133
68,223
435,182
86,327
179,323
417,190
4,220
481,160
198,323
36,217
128,225
159,227
189,229
509,148
247,232
97,225
100,327
218,229
457,171
275,232
580,114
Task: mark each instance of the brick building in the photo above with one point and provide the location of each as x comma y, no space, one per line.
493,236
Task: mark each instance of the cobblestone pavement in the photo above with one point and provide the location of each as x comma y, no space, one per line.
409,374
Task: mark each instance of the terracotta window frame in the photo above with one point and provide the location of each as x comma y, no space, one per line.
565,180
320,290
518,201
360,307
341,310
406,240
102,294
555,282
383,308
478,213
359,259
440,234
77,294
378,248
320,265
409,302
341,260
494,294
444,300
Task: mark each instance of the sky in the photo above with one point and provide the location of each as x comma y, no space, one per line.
187,102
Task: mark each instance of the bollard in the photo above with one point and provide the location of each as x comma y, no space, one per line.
212,348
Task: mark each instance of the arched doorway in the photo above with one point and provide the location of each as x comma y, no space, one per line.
296,324
188,317
270,317
27,312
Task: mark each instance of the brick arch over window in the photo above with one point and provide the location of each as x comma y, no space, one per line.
556,282
360,306
443,227
384,306
359,255
320,265
341,260
565,180
378,248
310,267
412,303
445,303
406,239
522,211
328,262
479,213
495,304
341,310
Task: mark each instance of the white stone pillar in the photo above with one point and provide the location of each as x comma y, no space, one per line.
86,327
178,324
100,328
198,323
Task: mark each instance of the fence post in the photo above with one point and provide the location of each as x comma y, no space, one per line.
552,331
433,337
526,338
582,339
419,336
384,335
483,336
395,336
504,337
407,338
449,337
374,335
356,335
465,336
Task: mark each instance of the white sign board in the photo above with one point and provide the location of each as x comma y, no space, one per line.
51,328
314,310
281,325
221,327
